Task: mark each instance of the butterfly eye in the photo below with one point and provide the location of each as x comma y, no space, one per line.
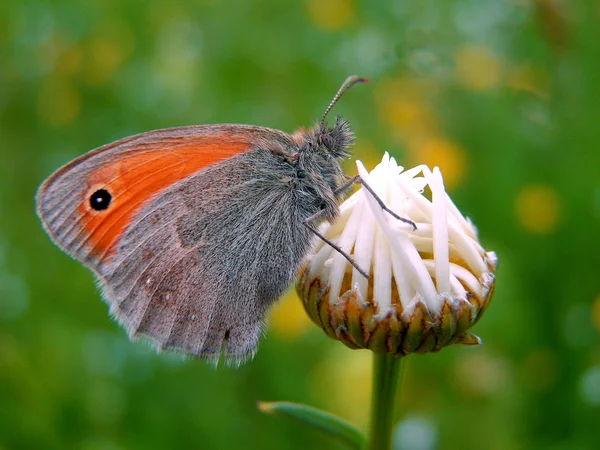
100,199
327,140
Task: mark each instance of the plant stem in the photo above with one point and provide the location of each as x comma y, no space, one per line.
386,371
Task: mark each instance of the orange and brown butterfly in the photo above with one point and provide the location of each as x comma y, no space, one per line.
194,232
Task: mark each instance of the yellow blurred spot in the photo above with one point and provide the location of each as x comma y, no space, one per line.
60,54
438,151
70,60
481,374
538,208
288,318
402,106
409,116
266,407
58,102
331,14
395,89
596,313
106,51
478,68
343,380
528,79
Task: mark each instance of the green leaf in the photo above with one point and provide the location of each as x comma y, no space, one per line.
316,418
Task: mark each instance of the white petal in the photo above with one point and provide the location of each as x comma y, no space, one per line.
363,248
345,242
441,252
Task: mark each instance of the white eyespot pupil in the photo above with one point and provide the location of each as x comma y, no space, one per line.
193,317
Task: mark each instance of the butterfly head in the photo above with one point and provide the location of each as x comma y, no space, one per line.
331,140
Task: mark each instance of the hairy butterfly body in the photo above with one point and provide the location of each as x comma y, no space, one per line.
194,232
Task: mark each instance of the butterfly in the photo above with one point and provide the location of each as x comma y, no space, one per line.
194,232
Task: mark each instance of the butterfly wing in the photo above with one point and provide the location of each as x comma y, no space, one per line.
178,249
132,170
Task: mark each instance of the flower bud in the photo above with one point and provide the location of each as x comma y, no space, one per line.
427,286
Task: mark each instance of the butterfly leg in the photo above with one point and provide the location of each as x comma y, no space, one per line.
308,225
351,181
382,205
357,179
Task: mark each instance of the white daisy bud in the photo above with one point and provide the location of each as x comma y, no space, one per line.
427,286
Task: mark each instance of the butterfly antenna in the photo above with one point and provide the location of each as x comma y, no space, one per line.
347,84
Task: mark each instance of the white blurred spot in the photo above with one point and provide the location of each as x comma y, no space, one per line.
479,18
179,50
369,48
415,433
424,62
589,387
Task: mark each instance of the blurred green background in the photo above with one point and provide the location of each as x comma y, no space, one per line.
503,95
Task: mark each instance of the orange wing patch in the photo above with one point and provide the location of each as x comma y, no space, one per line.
133,180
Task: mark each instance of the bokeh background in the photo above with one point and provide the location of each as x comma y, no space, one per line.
503,95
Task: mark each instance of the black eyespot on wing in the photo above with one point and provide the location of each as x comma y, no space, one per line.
100,200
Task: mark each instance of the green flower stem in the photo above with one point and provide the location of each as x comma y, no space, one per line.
386,372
